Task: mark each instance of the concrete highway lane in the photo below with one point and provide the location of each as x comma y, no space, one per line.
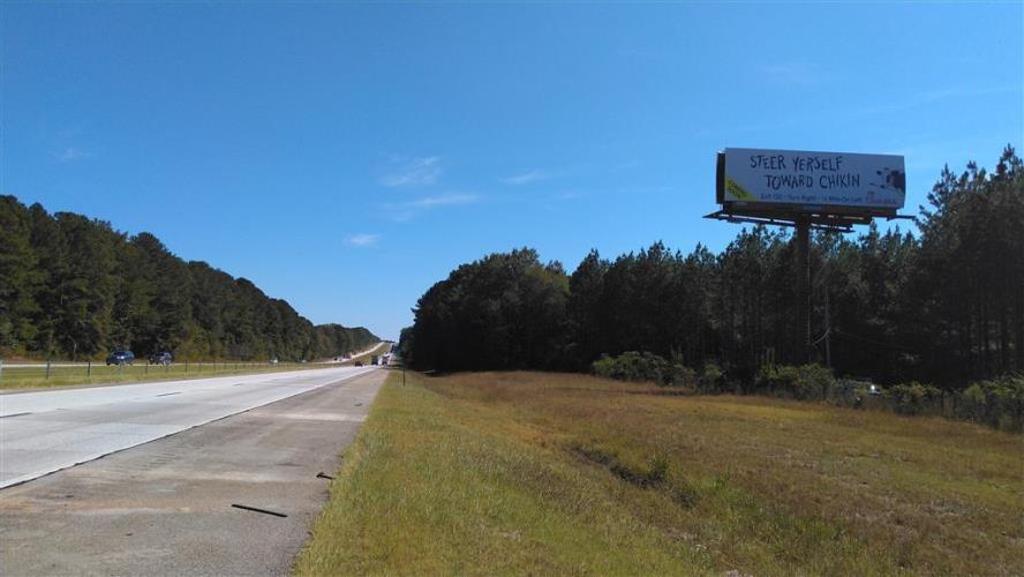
236,496
46,431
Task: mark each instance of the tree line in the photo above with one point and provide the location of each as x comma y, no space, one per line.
943,306
72,287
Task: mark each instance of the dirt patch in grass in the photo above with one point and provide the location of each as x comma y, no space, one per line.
652,475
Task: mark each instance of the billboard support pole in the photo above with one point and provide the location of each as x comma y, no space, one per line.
803,304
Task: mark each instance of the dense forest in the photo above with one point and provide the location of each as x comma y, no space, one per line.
943,306
75,288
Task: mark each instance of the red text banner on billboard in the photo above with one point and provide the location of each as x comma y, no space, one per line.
794,180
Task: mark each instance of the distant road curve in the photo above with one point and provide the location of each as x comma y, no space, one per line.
46,431
356,355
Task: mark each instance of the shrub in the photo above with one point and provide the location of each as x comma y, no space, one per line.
631,366
913,398
850,392
971,403
998,403
712,379
637,366
775,379
682,376
806,382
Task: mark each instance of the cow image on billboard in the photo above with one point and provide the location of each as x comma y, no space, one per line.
752,180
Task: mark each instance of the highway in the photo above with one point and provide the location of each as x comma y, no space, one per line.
46,431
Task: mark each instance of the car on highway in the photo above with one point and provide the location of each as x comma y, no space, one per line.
163,358
121,358
359,363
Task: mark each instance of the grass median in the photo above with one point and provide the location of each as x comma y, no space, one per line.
38,376
527,473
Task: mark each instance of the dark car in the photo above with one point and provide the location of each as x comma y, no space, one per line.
359,363
165,358
121,358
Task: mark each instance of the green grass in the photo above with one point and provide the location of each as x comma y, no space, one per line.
35,377
526,473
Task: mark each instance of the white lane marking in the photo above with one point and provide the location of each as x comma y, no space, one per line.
14,415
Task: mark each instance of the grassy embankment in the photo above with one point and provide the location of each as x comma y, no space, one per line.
34,377
524,473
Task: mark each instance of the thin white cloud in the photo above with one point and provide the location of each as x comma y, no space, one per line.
526,177
447,199
415,172
406,211
362,239
72,153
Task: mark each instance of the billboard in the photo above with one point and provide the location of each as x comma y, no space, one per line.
758,180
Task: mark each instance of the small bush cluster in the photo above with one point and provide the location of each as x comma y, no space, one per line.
850,392
914,398
641,367
711,380
805,382
997,403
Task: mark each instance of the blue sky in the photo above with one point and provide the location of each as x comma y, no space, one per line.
345,157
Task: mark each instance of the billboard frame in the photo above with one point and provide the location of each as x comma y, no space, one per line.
832,217
756,208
